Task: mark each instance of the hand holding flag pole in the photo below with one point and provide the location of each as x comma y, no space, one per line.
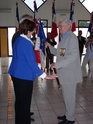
53,34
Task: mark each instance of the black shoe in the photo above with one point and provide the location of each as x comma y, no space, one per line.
31,113
66,122
61,117
32,119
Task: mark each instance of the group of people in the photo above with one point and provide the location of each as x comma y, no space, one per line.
24,69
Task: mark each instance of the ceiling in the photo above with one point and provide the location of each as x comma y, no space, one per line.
64,4
59,3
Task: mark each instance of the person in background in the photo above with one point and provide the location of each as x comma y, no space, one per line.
49,59
81,41
68,68
88,59
23,71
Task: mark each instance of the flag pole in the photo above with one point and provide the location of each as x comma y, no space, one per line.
17,14
52,36
58,82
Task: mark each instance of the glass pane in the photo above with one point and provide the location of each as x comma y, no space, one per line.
30,3
45,22
11,31
84,23
81,1
88,5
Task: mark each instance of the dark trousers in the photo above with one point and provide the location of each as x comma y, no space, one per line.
80,54
49,61
23,95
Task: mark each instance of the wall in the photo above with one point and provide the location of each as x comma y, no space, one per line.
8,18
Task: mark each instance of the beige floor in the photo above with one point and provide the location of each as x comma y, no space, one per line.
47,101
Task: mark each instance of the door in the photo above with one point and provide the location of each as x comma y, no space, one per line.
3,42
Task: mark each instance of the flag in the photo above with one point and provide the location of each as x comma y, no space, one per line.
90,28
17,17
53,33
35,15
37,54
71,15
42,39
35,11
37,50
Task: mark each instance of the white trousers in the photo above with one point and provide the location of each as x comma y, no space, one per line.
84,67
91,68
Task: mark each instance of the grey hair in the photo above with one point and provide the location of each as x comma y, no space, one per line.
67,22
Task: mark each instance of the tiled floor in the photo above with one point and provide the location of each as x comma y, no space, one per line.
47,101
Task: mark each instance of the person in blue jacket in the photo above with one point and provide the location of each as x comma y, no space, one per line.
23,71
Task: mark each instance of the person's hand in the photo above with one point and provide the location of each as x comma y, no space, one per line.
47,45
53,76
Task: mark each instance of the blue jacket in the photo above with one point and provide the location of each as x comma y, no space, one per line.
23,65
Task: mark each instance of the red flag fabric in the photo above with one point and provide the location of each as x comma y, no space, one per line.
73,26
37,50
53,33
37,53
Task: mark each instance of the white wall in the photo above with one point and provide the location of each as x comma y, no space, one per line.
8,18
44,12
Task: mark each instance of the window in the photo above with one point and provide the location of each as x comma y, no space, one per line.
30,3
87,4
81,1
11,32
83,23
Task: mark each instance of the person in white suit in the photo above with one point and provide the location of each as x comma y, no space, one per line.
68,68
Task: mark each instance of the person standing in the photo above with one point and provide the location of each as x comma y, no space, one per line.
68,68
23,71
81,41
88,59
17,34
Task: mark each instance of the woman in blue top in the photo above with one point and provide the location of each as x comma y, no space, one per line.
24,70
